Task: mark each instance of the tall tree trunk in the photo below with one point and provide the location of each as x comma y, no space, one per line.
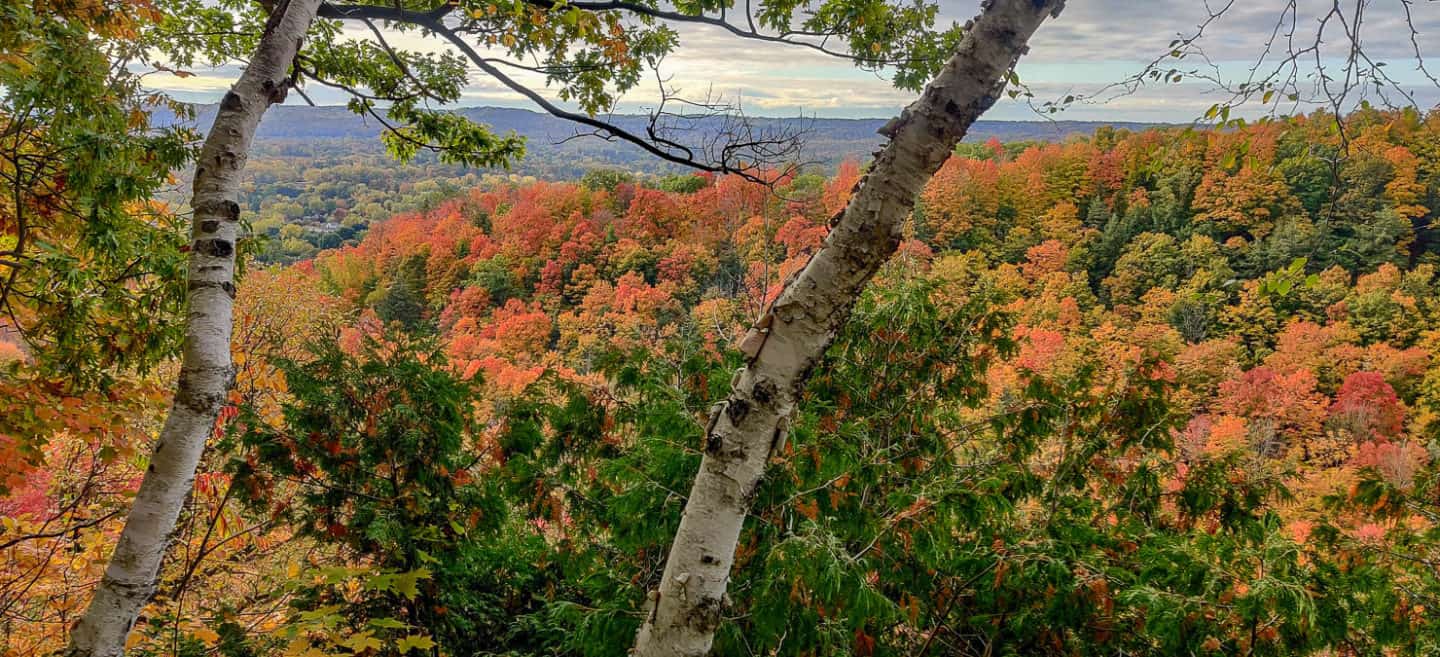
790,339
205,368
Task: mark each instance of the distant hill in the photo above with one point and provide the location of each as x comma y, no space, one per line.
319,176
331,128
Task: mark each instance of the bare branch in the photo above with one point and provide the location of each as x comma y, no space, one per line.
725,160
1323,65
396,59
736,147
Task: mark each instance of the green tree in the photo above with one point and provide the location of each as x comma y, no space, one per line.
404,300
90,267
391,481
605,179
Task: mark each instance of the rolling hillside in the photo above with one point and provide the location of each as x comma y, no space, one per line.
333,130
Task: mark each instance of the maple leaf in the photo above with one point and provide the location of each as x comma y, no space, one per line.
362,642
422,642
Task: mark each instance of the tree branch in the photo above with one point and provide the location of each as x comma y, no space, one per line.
722,165
751,32
383,13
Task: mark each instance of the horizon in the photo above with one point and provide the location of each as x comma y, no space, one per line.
1038,119
1096,46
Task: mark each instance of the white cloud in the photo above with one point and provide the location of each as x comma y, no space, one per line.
1092,43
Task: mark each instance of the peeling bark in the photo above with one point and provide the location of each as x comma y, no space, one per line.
205,369
790,339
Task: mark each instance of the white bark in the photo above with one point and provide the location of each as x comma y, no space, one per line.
205,368
793,335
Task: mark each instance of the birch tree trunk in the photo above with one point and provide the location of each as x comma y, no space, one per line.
205,368
790,339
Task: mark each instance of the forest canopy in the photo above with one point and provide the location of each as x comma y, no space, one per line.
1151,392
1139,390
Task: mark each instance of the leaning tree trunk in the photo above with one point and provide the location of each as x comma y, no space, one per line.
205,369
788,341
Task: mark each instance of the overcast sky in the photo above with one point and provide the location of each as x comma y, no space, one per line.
1093,43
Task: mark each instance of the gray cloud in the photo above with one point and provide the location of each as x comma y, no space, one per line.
1094,42
1138,30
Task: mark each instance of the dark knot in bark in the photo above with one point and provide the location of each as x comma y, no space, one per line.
738,410
764,391
225,286
275,92
705,615
215,247
232,102
225,209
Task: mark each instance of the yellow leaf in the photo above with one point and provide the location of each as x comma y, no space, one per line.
301,647
207,635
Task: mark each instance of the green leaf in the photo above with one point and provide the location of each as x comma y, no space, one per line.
320,613
387,624
408,584
408,643
362,641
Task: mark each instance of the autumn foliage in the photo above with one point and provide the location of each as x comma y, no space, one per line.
1159,393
